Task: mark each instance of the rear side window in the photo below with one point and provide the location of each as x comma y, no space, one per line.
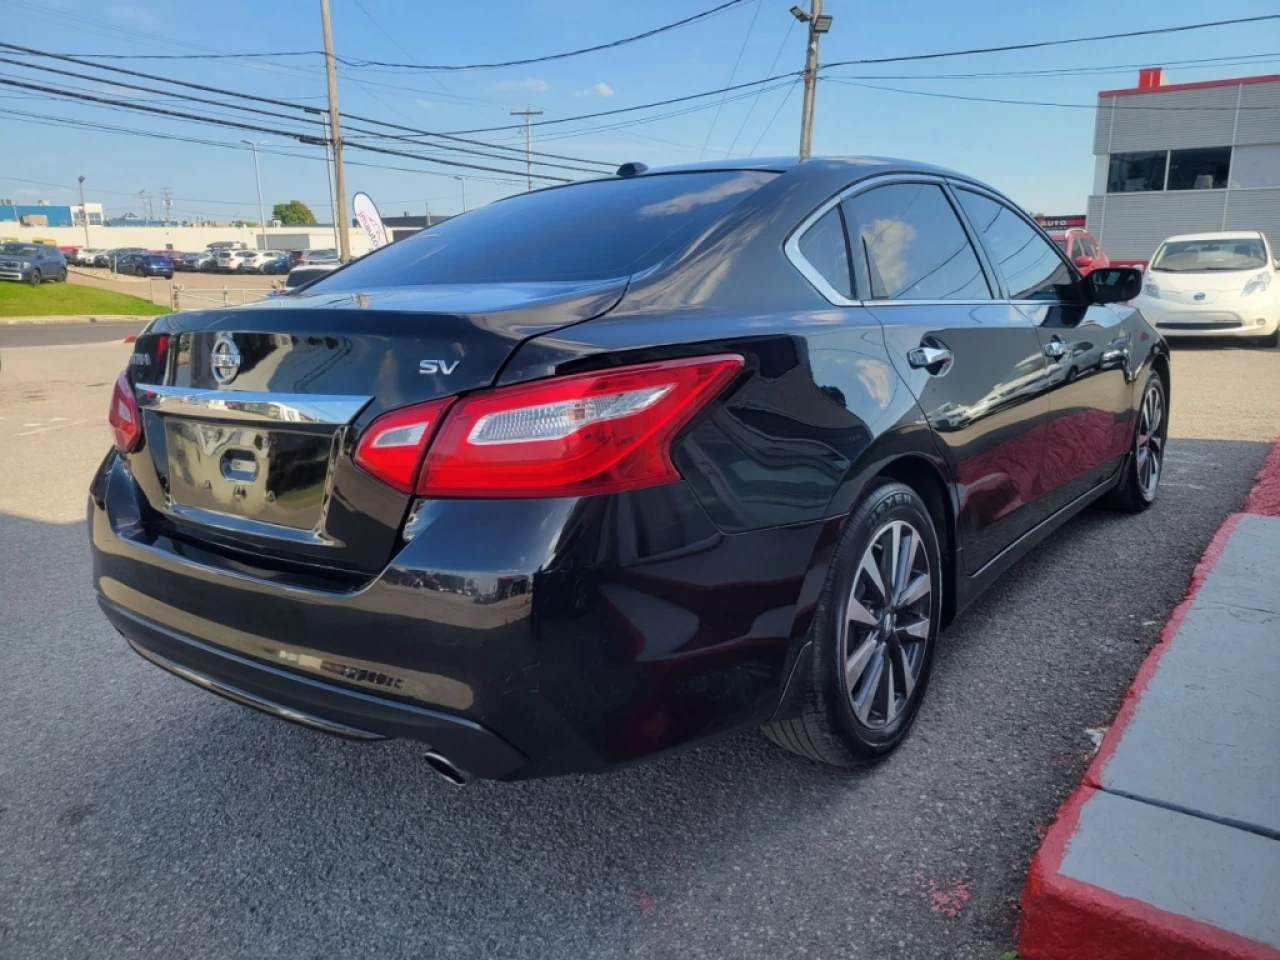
587,231
1032,267
914,245
824,246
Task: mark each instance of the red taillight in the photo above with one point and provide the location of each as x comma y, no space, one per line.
125,421
585,434
392,447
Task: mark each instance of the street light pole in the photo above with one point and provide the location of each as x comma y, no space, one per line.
257,172
463,181
818,25
328,169
335,129
84,214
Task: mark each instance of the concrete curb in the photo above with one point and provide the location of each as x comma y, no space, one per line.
79,318
1066,918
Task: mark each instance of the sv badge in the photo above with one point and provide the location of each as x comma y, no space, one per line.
438,366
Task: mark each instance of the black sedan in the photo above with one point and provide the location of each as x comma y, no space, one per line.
603,470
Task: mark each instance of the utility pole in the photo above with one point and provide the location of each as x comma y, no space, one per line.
427,225
142,206
257,172
168,204
335,128
463,181
818,25
84,214
528,115
328,169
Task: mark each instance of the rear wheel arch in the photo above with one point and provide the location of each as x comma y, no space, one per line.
927,480
1160,363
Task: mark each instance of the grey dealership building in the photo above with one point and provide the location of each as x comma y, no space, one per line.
1185,158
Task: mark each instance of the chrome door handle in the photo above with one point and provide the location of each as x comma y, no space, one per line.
1055,349
933,359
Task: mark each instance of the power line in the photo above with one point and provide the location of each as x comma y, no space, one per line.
1043,103
283,103
782,103
756,102
436,66
732,73
1040,44
301,137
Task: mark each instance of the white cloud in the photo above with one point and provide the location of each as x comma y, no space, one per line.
529,83
135,17
601,89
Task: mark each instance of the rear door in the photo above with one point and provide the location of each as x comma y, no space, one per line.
972,359
1086,347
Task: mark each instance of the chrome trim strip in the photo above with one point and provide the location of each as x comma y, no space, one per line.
244,698
243,405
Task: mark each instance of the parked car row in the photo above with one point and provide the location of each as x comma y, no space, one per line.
219,260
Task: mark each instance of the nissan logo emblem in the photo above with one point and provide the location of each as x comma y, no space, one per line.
225,359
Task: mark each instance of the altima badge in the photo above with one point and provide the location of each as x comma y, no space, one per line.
225,359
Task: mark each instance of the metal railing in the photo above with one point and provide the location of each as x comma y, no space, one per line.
200,298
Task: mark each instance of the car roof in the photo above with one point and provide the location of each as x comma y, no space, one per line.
1220,235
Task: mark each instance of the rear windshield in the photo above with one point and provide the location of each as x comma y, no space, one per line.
1206,256
588,231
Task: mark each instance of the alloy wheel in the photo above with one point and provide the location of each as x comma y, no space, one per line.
1150,450
887,622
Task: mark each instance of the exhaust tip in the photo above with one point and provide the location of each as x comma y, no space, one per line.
446,770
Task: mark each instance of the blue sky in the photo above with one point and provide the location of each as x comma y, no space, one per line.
1039,155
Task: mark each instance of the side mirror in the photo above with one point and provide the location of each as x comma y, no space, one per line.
1115,284
1084,263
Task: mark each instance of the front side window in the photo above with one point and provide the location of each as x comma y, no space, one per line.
1209,256
1032,267
914,245
1137,172
1203,169
595,230
824,246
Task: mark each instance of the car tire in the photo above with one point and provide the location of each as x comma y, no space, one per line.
34,278
62,277
849,713
1140,476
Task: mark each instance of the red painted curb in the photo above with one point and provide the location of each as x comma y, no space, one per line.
1129,705
1067,919
1264,498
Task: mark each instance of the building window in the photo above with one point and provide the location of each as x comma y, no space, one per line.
95,219
1137,172
1204,169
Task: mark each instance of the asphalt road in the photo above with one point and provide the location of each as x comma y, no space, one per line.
50,334
140,817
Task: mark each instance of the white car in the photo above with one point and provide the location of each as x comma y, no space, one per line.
1214,285
228,261
253,261
84,256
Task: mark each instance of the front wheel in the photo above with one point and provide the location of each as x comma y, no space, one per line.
1140,481
34,278
874,633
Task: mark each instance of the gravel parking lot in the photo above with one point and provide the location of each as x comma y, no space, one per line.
140,817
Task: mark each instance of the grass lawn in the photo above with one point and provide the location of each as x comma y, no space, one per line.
65,299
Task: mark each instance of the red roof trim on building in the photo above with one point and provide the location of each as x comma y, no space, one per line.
1201,85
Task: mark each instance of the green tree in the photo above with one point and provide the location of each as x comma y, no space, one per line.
295,213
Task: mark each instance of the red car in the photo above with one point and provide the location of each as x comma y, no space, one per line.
1083,249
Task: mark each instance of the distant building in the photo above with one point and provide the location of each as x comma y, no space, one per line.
1185,158
47,215
407,226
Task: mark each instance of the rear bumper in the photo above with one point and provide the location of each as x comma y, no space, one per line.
516,638
314,704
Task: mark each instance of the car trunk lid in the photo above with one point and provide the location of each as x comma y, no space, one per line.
251,415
